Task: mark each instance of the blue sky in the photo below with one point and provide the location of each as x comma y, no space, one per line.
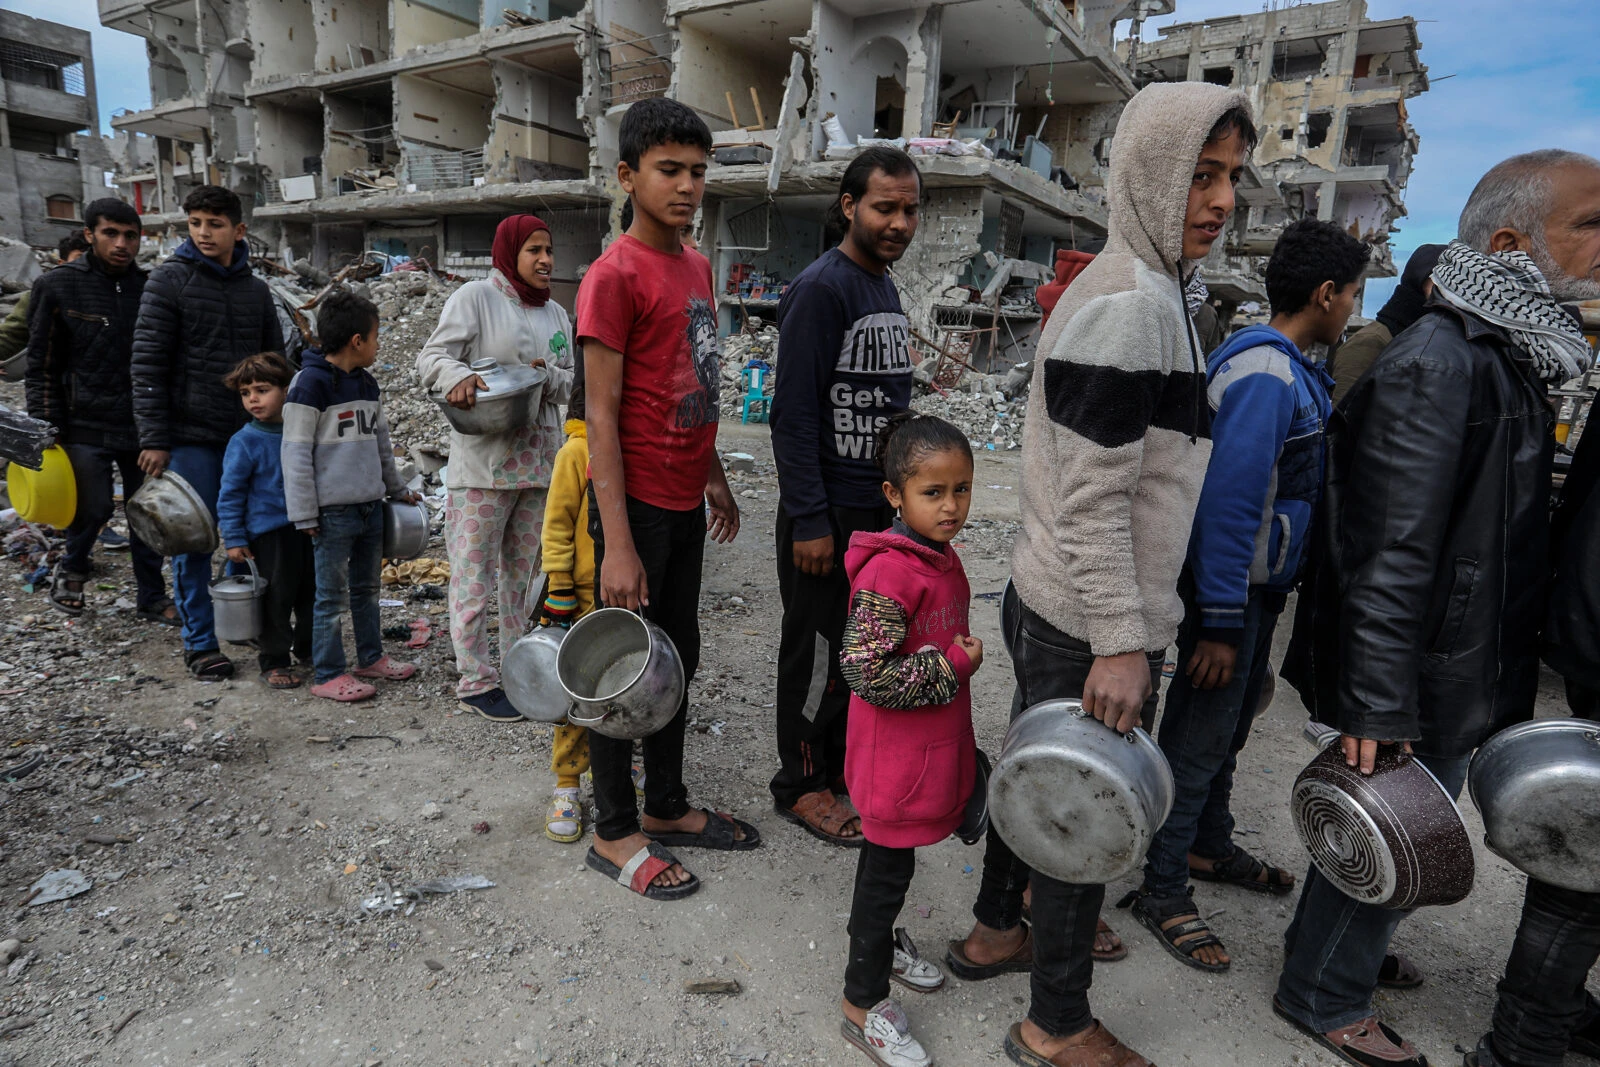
1523,76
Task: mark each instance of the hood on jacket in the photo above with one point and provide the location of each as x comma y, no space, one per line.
1153,154
576,428
240,264
864,545
1253,337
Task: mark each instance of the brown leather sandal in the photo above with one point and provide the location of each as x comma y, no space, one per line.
825,817
1367,1043
1099,1048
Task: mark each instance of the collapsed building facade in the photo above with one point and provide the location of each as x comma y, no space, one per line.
51,159
1329,89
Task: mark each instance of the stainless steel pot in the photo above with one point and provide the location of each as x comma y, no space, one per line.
1075,799
529,676
1010,613
237,600
1537,785
1393,838
622,673
510,402
405,529
169,516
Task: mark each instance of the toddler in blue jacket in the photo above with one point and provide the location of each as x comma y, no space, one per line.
255,522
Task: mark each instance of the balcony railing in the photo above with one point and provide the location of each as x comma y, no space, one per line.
28,64
434,168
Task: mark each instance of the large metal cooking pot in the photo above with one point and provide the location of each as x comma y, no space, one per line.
622,672
529,676
1393,838
1537,785
405,529
510,402
1075,799
169,516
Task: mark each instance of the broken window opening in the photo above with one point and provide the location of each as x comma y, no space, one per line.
1219,75
1317,127
45,68
1300,57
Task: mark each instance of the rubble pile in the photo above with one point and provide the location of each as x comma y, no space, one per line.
988,408
409,303
737,351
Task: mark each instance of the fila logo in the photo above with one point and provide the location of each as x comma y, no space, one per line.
363,421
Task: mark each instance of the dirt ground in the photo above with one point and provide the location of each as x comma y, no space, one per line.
228,877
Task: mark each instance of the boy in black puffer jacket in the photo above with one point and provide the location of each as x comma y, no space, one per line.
202,312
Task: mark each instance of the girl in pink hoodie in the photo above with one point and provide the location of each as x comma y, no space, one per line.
910,758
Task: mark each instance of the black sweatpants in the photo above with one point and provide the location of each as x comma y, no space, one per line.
286,558
94,469
671,547
883,875
813,700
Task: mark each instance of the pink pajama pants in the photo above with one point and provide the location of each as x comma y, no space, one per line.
492,539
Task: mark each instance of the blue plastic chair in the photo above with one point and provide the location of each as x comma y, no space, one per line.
757,404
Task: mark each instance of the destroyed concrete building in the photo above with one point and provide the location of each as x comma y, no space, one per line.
1329,88
51,160
409,127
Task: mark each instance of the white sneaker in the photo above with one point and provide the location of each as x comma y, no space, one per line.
910,969
886,1036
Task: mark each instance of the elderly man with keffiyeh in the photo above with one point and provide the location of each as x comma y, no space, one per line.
1421,627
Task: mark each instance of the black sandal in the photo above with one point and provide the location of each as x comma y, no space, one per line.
69,601
208,665
1244,870
1152,911
1398,972
156,612
718,834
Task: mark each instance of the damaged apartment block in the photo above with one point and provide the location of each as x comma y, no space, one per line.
1329,89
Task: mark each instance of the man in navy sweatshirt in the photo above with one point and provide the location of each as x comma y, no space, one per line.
1261,490
845,369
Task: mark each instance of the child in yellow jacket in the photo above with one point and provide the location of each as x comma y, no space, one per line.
568,564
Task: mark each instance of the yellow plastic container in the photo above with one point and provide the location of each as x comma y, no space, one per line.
48,495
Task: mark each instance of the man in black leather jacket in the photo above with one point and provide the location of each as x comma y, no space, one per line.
1422,628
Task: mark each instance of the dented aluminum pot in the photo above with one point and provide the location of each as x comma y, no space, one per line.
1393,838
529,676
1537,786
169,516
622,672
510,402
1075,799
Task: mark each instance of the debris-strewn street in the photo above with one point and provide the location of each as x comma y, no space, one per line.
257,861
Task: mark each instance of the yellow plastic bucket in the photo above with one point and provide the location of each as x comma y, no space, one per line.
48,495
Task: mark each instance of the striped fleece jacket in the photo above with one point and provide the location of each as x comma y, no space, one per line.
336,446
1118,428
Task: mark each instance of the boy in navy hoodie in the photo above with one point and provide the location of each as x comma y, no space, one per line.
1270,406
338,465
254,519
202,311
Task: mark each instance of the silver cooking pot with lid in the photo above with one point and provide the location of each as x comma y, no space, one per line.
1537,785
1075,799
510,400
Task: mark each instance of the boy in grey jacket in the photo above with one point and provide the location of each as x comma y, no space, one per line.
338,465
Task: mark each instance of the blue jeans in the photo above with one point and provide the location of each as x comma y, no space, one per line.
1202,731
349,560
1335,945
201,467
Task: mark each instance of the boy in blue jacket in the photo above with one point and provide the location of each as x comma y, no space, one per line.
338,465
1270,406
254,519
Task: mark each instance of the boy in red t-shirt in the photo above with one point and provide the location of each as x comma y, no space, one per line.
648,326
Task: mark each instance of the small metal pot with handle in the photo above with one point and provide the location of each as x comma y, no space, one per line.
405,529
1393,838
1074,798
1537,785
237,601
529,675
622,672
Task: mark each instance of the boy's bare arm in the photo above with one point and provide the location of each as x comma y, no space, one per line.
622,578
722,511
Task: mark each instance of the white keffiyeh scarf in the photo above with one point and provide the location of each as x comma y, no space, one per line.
1508,290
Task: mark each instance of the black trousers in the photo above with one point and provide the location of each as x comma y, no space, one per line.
286,558
671,547
1584,702
813,700
882,877
1050,665
1542,996
94,470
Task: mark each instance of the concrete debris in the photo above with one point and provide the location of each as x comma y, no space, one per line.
738,350
19,266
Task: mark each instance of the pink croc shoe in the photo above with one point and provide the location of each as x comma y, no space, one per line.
386,668
345,689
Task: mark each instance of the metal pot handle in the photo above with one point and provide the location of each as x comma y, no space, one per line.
1083,713
222,571
1320,735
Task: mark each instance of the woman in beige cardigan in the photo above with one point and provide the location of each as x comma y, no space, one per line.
497,482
